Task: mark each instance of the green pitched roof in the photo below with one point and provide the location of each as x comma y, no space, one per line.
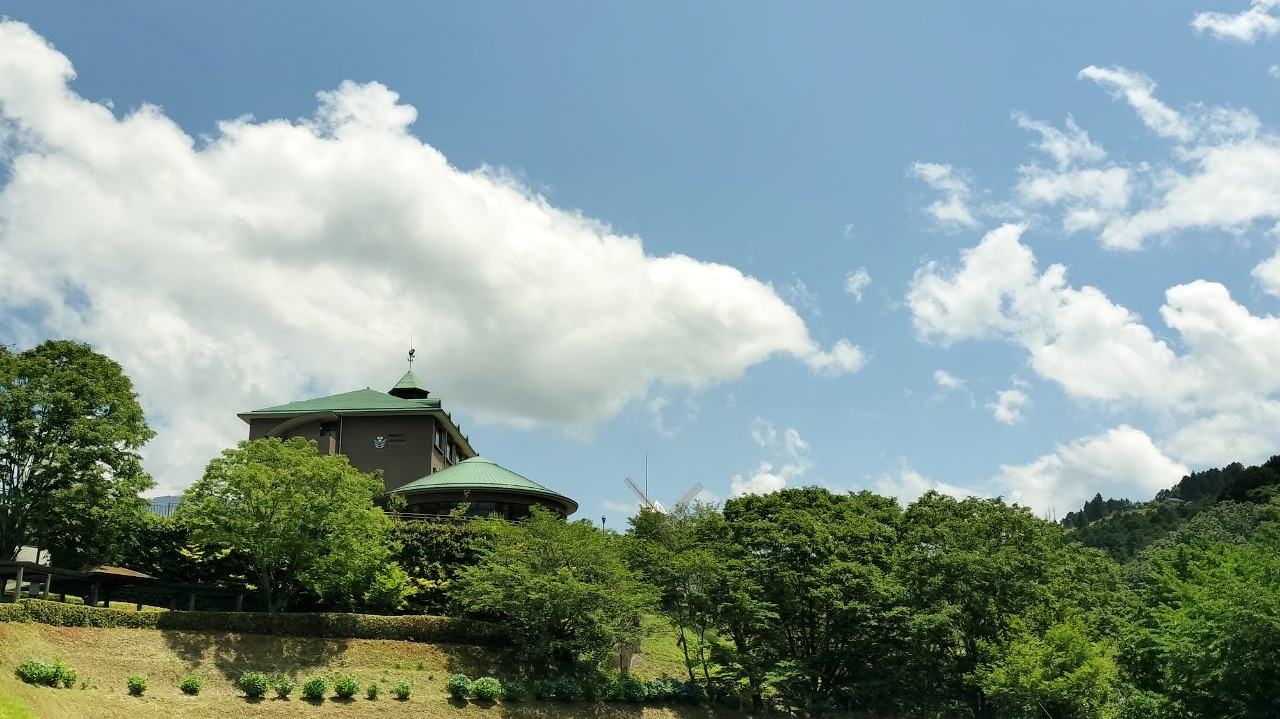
481,473
361,400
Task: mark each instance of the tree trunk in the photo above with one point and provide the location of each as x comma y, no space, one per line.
266,590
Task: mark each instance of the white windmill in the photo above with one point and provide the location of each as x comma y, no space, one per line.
656,506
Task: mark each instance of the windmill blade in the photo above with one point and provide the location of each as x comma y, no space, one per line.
635,489
688,496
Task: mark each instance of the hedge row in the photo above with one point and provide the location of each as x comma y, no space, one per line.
434,630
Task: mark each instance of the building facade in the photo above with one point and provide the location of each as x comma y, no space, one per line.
407,436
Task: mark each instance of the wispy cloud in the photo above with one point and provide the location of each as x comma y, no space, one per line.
788,463
1008,406
953,209
857,281
1247,26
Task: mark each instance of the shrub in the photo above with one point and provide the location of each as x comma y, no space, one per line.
191,684
568,689
514,690
459,686
662,689
416,628
254,684
629,689
371,692
345,686
284,686
486,689
541,689
46,673
402,689
137,684
314,688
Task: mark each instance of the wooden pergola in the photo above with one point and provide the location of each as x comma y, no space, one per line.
104,583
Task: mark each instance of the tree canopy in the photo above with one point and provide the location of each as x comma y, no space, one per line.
560,588
70,431
306,521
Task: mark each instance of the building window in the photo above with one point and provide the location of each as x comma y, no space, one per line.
439,436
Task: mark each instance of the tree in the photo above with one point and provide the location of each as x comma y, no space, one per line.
70,431
434,553
829,632
971,568
307,521
1209,631
561,590
676,554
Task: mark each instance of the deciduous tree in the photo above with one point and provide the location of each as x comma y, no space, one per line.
70,431
560,588
307,521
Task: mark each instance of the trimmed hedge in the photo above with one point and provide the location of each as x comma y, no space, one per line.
10,612
434,630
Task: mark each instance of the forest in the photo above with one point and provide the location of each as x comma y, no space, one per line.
803,601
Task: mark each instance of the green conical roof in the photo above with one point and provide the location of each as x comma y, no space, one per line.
409,387
481,473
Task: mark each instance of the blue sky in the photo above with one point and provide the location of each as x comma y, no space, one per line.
1000,248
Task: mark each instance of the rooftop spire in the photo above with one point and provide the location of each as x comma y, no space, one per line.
409,386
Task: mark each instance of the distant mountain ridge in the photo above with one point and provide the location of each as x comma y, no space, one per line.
164,505
1123,527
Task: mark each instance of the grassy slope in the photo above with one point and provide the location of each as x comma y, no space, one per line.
104,658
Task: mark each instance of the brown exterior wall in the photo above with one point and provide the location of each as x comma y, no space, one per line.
408,452
405,455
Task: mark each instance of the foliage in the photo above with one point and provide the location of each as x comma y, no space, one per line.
809,597
973,570
1062,673
434,554
486,688
514,690
458,686
136,684
1210,628
284,685
628,688
165,546
314,688
676,554
568,689
306,520
440,630
191,684
402,690
45,673
254,684
70,431
559,588
345,686
371,691
1124,529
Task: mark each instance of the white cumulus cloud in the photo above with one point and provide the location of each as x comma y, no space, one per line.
1221,379
907,484
1122,460
277,259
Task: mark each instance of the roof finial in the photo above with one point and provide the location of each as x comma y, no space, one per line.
411,353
